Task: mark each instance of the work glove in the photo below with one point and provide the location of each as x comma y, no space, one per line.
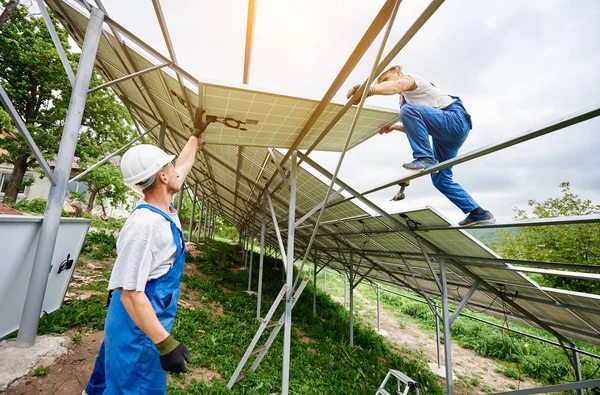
199,125
352,91
172,355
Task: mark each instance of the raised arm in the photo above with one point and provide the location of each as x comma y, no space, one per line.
187,157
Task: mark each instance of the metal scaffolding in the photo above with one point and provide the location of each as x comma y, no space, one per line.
403,250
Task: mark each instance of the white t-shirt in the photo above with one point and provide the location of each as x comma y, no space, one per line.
145,249
427,94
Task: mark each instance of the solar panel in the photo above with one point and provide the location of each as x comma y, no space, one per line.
274,120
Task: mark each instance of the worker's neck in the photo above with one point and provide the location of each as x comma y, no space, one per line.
159,198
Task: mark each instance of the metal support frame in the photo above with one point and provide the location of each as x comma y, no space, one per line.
251,259
315,272
249,39
318,207
262,257
287,331
464,302
277,231
49,229
446,323
57,44
362,89
194,198
351,283
20,125
180,199
437,335
200,219
279,168
204,230
106,159
161,136
128,77
555,388
378,308
577,366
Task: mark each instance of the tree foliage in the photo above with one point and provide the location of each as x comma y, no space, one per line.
40,90
566,243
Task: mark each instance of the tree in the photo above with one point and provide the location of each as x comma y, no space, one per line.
34,79
565,243
9,8
37,84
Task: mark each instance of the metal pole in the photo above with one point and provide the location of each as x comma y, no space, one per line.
345,291
437,336
351,299
101,162
287,330
20,125
315,289
204,233
180,199
59,48
250,270
577,365
128,77
446,317
49,229
191,232
161,136
200,220
262,257
378,308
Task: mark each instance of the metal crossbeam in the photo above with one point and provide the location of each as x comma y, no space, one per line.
464,302
128,77
20,125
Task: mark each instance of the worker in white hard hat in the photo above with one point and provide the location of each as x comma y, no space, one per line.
426,110
138,348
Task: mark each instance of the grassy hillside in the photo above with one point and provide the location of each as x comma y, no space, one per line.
217,320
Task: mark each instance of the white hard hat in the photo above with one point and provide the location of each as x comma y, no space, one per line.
142,162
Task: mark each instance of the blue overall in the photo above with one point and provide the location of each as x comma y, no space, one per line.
448,129
128,361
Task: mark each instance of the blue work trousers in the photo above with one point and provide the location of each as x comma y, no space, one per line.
448,129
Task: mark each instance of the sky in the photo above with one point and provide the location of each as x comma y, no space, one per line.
516,65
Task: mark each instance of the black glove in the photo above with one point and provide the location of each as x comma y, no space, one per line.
199,125
172,355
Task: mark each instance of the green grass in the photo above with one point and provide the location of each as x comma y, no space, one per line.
327,365
541,361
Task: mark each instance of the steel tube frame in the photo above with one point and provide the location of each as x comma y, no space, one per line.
351,281
191,229
251,259
161,136
571,220
129,76
57,44
446,323
262,257
20,125
378,308
554,388
318,207
315,272
200,218
180,199
279,168
49,229
249,39
106,159
564,122
287,330
577,365
276,226
437,335
364,88
464,302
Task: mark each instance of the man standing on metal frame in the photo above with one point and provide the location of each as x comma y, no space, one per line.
138,349
425,110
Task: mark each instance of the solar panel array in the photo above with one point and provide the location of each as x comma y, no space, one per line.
234,167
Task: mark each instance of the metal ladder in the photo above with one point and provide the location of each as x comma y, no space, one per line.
400,377
266,323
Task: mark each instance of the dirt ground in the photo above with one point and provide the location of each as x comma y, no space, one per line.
467,364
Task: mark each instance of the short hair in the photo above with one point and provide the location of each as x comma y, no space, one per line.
394,67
